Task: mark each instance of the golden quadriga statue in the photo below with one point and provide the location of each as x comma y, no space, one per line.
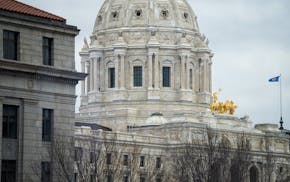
222,107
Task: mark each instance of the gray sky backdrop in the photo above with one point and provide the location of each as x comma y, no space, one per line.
250,40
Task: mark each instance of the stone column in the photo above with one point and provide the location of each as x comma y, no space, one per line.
187,79
116,72
182,71
156,74
150,83
209,76
88,77
205,76
122,70
83,89
95,75
91,74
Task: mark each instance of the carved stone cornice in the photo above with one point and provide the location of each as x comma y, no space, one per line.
39,72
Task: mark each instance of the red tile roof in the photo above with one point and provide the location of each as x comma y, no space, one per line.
18,7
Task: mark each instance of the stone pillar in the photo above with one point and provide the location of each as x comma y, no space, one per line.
122,70
182,71
83,89
205,89
91,74
187,86
88,77
95,74
150,71
209,76
116,72
156,73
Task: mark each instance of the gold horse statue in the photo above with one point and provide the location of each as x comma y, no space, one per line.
222,107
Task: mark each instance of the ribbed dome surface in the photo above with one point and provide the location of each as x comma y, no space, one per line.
145,13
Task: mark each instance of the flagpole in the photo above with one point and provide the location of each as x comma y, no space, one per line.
281,119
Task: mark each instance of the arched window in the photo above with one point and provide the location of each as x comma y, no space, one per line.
235,173
254,174
215,171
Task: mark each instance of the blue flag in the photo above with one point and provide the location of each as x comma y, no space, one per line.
275,79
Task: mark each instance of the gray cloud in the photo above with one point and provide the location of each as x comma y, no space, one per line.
250,39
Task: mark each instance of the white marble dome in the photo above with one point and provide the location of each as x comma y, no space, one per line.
149,13
145,57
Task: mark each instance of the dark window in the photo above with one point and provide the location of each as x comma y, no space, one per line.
158,179
78,153
142,179
137,76
125,160
92,157
166,76
108,178
158,162
254,174
8,171
47,115
111,77
75,177
126,179
10,117
45,171
142,161
92,178
190,78
47,51
109,158
10,45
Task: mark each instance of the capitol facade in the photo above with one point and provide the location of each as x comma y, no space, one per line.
148,93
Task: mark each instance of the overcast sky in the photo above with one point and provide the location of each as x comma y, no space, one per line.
250,40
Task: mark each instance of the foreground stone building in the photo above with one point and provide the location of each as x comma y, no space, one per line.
149,81
37,89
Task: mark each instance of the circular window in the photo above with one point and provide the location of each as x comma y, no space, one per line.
164,13
115,14
185,16
138,12
100,19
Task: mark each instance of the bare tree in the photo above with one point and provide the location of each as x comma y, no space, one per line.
240,159
202,160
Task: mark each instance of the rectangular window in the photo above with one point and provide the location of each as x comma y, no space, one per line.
126,179
92,178
10,120
158,179
158,162
47,116
108,178
45,171
125,160
10,45
92,157
111,78
142,161
137,74
190,78
166,76
142,179
78,154
109,158
75,177
47,51
8,171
